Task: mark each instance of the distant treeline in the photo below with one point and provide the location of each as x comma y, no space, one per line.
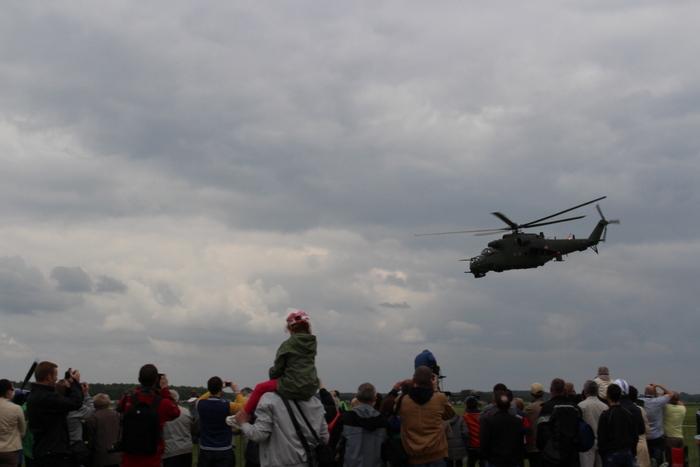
116,390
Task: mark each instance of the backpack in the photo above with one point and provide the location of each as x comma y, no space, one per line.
392,448
141,431
586,437
560,434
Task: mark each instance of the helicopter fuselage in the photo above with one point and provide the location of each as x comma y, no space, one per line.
525,251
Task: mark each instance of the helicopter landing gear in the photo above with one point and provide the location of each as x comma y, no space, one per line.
477,274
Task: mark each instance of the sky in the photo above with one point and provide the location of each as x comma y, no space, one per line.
175,177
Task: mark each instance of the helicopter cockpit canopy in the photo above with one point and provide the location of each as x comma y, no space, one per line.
487,252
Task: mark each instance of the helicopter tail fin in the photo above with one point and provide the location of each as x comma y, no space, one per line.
600,231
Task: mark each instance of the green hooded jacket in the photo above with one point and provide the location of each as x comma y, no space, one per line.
295,369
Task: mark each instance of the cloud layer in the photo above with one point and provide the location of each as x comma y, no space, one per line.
176,177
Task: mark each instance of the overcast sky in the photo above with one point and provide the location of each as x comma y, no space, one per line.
176,176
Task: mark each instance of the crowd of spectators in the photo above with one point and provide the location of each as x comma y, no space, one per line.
61,424
290,420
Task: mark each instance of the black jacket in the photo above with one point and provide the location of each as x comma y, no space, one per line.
617,431
46,411
502,439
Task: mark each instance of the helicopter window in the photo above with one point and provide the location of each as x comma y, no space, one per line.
487,251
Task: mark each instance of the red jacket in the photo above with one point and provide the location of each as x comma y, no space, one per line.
473,426
167,411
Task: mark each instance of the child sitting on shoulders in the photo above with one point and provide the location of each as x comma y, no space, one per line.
293,374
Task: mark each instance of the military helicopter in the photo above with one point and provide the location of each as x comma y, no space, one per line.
519,250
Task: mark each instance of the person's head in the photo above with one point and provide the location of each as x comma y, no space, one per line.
603,371
519,404
569,389
46,373
246,391
472,403
590,388
557,387
624,387
498,387
675,398
62,386
423,377
536,390
650,390
366,394
215,385
633,394
614,393
298,322
6,389
502,399
148,375
175,395
101,401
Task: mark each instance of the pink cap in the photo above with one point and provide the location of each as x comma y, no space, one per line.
298,316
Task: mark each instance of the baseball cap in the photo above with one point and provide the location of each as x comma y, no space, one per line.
536,388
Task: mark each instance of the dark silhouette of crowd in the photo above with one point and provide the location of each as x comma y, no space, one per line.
286,423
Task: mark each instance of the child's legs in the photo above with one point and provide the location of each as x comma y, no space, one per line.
260,389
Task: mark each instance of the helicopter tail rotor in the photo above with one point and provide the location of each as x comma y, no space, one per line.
607,222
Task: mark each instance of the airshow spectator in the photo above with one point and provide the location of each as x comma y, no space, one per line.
457,439
491,408
532,412
215,436
293,373
75,419
570,390
654,404
556,441
143,446
502,441
602,380
471,419
103,430
617,437
674,414
177,435
275,434
47,411
12,426
642,453
422,414
364,430
591,409
632,408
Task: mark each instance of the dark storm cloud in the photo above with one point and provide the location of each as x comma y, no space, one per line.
24,289
71,279
106,284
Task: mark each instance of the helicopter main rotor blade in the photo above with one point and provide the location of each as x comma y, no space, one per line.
460,232
502,216
530,224
552,222
493,232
